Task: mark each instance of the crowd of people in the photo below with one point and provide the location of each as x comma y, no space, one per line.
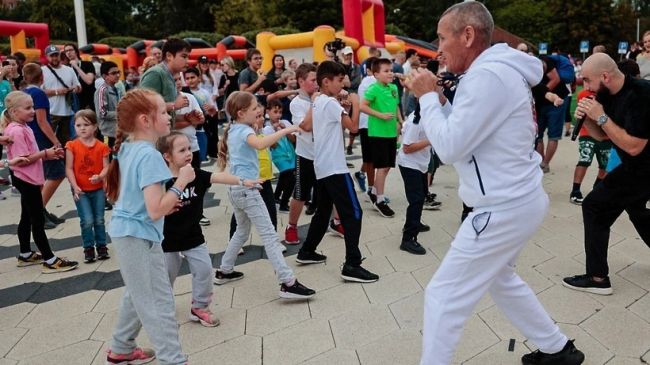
135,145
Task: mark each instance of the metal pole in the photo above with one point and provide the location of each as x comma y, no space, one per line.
638,28
80,20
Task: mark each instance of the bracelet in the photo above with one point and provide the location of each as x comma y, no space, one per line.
176,191
241,181
45,152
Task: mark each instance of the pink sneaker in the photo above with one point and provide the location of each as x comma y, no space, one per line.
203,316
137,357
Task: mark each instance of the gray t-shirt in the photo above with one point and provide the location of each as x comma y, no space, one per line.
248,77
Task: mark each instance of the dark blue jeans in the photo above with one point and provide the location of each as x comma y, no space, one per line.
90,208
415,186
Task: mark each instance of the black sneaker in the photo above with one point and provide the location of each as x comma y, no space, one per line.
34,258
412,246
311,209
54,219
59,265
384,209
221,278
108,205
349,150
358,274
372,197
586,283
430,197
423,228
102,253
310,258
569,355
89,255
431,205
48,224
576,198
296,291
283,208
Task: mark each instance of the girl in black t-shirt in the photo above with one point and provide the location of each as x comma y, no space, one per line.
182,231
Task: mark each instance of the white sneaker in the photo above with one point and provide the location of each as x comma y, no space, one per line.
2,196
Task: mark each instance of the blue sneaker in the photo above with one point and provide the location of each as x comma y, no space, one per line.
361,180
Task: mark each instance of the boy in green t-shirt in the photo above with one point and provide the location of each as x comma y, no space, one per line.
381,103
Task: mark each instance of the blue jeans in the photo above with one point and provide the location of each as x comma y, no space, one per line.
90,208
202,139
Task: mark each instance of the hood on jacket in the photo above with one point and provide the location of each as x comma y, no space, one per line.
528,66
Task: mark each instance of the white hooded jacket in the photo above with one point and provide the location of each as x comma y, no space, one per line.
489,132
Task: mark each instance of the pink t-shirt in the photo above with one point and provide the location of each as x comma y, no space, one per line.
24,144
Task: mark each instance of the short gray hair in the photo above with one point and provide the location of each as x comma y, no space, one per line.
474,14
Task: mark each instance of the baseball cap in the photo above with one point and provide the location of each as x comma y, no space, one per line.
51,49
203,59
347,50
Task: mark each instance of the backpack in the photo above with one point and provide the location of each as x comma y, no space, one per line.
564,68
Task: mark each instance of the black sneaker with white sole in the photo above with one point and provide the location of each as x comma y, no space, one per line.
569,355
384,209
412,246
296,291
221,278
310,258
358,274
586,283
576,198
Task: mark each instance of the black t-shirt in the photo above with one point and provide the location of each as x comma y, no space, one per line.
87,94
630,110
540,90
182,230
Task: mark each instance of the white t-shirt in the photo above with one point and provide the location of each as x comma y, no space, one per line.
304,140
363,86
58,106
407,67
412,133
190,130
328,139
268,127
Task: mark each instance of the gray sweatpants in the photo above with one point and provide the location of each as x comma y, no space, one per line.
248,206
148,301
201,268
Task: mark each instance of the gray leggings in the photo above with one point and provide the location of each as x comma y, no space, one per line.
249,207
201,268
148,301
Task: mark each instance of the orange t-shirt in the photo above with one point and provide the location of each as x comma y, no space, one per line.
583,94
88,161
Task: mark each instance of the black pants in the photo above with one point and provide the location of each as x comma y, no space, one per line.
269,201
211,128
338,190
32,221
621,190
284,188
415,186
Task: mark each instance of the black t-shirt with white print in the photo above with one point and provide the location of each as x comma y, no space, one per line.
182,230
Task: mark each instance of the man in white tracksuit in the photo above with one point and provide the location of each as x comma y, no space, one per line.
488,135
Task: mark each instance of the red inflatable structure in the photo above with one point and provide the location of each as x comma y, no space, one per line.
19,32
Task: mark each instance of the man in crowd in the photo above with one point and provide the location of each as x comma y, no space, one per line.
502,181
251,77
620,112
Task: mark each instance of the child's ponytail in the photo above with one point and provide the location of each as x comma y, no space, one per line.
222,149
113,174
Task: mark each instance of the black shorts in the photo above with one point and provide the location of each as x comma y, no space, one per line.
305,179
384,151
366,151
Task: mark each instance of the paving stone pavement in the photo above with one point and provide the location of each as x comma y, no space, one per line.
68,318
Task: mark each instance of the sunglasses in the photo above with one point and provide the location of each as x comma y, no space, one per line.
114,73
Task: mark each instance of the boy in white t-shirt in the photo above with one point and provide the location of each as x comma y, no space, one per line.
413,162
186,127
367,168
333,181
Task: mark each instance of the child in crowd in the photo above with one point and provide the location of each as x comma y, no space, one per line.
289,79
136,185
367,170
86,166
182,232
381,103
106,98
188,128
241,140
27,176
334,183
283,155
208,108
266,175
305,177
413,161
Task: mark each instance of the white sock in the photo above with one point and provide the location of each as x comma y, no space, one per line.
380,198
25,255
51,261
290,283
336,221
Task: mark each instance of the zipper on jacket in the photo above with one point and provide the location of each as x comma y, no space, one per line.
478,174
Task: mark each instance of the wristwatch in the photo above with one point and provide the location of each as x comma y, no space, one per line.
602,120
5,163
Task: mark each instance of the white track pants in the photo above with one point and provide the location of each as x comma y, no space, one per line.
482,259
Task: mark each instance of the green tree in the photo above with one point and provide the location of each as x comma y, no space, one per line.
237,16
417,18
529,19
